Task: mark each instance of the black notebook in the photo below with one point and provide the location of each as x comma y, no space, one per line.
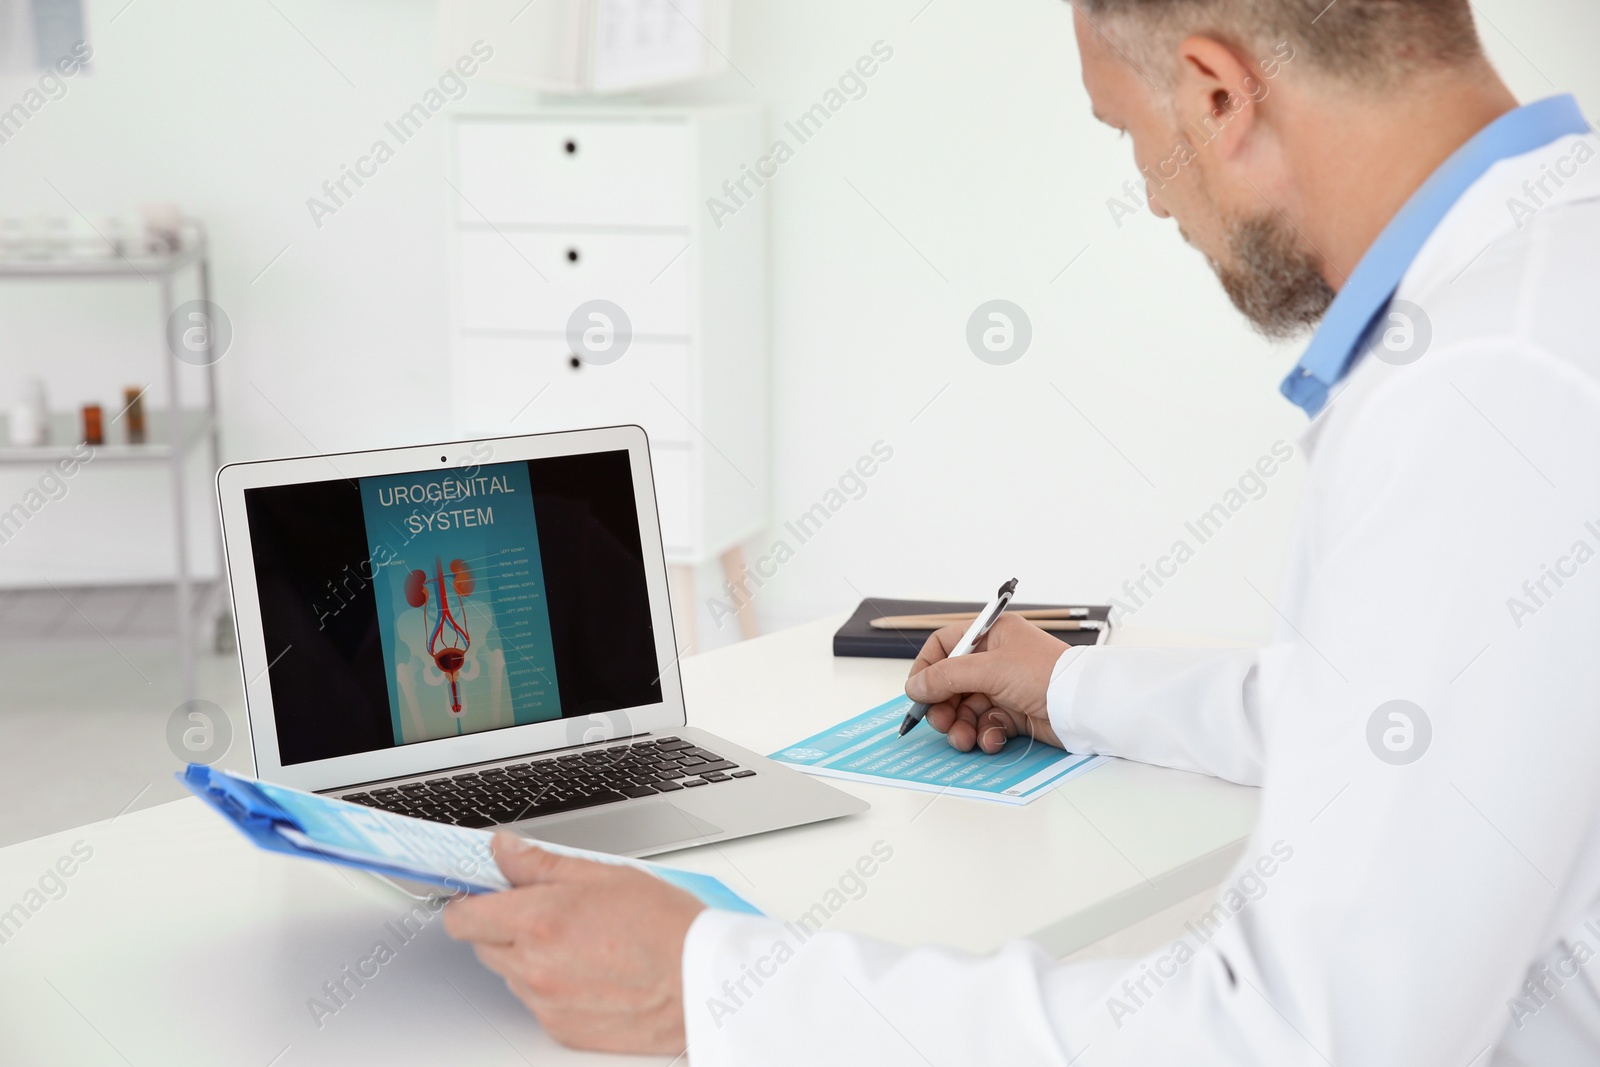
858,637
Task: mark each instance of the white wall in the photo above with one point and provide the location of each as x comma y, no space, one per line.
976,143
228,110
975,158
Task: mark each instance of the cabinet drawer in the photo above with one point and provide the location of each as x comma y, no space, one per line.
510,386
555,172
520,280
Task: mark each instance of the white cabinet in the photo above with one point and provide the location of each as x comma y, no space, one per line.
555,208
521,280
579,170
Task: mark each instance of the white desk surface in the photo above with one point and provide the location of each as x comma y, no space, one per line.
179,943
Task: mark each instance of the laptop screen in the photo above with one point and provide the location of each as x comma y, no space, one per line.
413,607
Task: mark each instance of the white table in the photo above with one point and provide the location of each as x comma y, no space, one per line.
177,942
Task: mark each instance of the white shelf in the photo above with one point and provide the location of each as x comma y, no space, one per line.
65,435
97,260
196,427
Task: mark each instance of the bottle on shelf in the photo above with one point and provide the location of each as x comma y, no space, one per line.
94,432
29,419
133,414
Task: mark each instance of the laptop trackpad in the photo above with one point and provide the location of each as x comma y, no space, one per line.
625,831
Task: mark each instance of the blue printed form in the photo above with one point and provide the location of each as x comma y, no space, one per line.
461,601
867,748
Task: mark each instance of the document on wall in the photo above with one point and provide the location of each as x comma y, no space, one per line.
643,42
867,748
455,859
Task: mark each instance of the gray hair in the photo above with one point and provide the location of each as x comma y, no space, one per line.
1372,41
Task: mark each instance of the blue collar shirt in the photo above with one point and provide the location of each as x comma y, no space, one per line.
1340,339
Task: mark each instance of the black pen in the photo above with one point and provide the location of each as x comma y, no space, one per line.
975,633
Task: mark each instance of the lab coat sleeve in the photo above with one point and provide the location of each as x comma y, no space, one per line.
1191,709
1387,907
760,991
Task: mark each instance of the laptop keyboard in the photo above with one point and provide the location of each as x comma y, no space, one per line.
562,783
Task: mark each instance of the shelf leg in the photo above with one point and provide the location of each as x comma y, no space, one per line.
222,601
180,526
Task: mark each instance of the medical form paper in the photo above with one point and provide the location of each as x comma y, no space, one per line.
867,749
452,858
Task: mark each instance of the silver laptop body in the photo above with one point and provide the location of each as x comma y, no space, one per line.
480,633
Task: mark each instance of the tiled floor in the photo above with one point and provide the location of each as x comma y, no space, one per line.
88,681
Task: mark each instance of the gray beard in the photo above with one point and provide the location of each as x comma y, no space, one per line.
1273,281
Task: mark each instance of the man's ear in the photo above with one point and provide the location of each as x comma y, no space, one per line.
1216,94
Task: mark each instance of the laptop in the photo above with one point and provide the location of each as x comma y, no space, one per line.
479,633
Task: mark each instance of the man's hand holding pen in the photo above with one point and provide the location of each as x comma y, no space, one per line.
992,695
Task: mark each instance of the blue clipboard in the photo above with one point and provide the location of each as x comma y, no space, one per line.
454,859
263,820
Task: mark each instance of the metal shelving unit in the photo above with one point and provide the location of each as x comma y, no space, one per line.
169,440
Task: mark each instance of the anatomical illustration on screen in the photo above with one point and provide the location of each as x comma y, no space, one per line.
461,605
448,640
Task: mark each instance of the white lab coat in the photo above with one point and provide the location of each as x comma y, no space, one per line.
1437,913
